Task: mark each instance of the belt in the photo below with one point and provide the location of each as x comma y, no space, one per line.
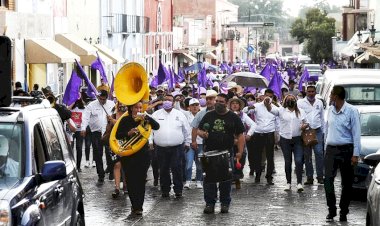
343,146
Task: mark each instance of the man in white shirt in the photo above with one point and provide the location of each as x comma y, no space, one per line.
315,116
264,139
170,140
96,115
8,166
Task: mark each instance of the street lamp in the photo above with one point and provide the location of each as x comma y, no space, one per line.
359,36
373,32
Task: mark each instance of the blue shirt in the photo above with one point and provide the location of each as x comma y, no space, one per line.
343,127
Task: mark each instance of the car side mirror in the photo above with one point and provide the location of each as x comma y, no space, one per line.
53,170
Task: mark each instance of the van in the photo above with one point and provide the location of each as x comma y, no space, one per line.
314,70
362,85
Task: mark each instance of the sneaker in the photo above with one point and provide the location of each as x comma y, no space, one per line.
178,195
115,193
137,212
320,180
224,208
237,184
93,164
299,188
342,217
87,165
100,181
330,217
270,181
209,209
287,187
199,185
309,181
187,185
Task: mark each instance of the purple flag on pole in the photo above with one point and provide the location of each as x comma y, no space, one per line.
91,90
72,89
275,84
170,78
161,74
202,78
181,75
304,78
98,65
266,72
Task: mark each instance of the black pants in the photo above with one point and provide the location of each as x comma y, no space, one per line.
338,157
135,168
87,144
263,141
78,147
251,157
154,164
97,148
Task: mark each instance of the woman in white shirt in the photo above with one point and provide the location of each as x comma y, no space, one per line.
236,105
292,122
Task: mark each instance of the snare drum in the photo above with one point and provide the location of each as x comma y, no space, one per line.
216,166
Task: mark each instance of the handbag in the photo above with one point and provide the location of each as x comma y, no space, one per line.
309,137
106,135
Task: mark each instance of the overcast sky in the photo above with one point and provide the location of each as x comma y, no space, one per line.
294,5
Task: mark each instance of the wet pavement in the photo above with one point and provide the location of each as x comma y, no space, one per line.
253,204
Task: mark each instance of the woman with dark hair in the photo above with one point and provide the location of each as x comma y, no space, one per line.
136,165
292,122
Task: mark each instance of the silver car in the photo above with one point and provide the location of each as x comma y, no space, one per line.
373,194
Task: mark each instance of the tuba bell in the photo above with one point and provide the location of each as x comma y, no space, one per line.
131,86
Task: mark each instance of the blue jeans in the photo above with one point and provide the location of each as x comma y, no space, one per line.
191,156
210,191
318,152
288,146
169,159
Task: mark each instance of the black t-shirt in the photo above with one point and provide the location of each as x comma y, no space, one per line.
221,130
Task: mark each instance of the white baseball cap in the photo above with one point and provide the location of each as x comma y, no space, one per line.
4,146
211,93
193,101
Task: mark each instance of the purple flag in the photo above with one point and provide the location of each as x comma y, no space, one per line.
266,72
91,90
98,65
161,74
181,76
275,84
170,78
304,78
72,89
202,78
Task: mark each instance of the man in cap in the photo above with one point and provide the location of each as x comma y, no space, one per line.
8,166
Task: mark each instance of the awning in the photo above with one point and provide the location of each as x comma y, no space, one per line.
210,55
351,48
88,60
189,58
110,54
43,51
367,57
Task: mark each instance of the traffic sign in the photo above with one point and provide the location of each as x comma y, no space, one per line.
250,49
268,24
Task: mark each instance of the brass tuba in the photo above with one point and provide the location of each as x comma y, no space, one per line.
131,86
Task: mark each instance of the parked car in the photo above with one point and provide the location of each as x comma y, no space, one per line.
373,194
39,184
370,142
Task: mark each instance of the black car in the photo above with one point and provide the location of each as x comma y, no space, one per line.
39,184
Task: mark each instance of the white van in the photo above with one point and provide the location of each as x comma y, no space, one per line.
362,85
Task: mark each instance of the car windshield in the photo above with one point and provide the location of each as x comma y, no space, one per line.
363,94
370,124
11,143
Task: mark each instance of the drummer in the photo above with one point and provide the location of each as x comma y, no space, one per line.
218,128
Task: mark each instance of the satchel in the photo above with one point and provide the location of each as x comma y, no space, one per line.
309,137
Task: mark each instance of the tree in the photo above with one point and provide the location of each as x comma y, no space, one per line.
264,46
317,29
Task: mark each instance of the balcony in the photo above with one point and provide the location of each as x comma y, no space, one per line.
127,24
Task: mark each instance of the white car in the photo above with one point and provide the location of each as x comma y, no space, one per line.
373,194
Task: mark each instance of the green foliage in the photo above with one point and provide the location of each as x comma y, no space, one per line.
264,46
317,29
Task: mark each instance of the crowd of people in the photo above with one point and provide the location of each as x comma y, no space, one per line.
201,126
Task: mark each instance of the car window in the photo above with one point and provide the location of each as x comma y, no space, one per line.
39,149
62,138
363,94
11,150
370,124
54,147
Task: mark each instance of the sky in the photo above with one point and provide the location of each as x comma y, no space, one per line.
294,5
